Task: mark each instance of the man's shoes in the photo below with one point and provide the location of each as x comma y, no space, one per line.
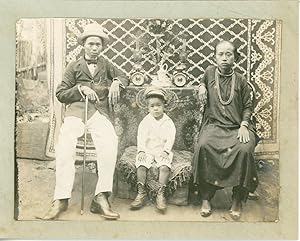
141,197
101,205
161,201
58,206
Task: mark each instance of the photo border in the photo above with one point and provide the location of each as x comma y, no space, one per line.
285,228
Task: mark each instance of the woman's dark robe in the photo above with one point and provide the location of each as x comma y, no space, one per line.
219,157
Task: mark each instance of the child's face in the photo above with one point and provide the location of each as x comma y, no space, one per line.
225,56
156,107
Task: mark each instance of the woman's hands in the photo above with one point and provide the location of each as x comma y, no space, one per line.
243,134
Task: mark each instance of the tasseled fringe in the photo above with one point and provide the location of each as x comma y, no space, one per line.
181,179
127,172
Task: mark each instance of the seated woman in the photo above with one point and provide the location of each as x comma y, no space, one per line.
223,155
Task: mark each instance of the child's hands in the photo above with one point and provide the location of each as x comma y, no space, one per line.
142,156
164,156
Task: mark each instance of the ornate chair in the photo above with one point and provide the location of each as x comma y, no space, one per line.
90,149
254,195
178,185
253,97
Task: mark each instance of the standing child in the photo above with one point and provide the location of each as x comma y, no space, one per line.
156,136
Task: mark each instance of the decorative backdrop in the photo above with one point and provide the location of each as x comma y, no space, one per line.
258,42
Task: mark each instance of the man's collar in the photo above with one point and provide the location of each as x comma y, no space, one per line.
88,60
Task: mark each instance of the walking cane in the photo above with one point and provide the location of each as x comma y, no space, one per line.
84,153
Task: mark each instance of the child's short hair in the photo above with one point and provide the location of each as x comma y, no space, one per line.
236,53
155,92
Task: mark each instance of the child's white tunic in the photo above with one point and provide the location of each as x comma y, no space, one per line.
155,137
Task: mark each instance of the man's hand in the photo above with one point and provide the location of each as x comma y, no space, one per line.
142,156
202,95
91,94
243,134
165,156
114,92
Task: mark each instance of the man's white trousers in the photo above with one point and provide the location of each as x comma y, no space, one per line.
106,144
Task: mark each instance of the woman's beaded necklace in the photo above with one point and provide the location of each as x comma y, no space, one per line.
217,73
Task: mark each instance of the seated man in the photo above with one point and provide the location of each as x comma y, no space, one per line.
93,77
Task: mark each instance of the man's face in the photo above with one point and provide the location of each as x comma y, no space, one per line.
93,46
225,55
156,107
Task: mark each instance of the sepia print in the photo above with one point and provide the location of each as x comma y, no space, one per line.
171,54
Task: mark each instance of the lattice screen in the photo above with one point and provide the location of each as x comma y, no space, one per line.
258,42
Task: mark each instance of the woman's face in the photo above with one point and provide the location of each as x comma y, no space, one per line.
224,56
93,46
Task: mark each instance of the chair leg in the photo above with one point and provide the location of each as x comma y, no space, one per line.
115,186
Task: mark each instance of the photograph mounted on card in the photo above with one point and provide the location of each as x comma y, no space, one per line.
89,128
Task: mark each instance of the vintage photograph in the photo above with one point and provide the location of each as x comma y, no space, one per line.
147,119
